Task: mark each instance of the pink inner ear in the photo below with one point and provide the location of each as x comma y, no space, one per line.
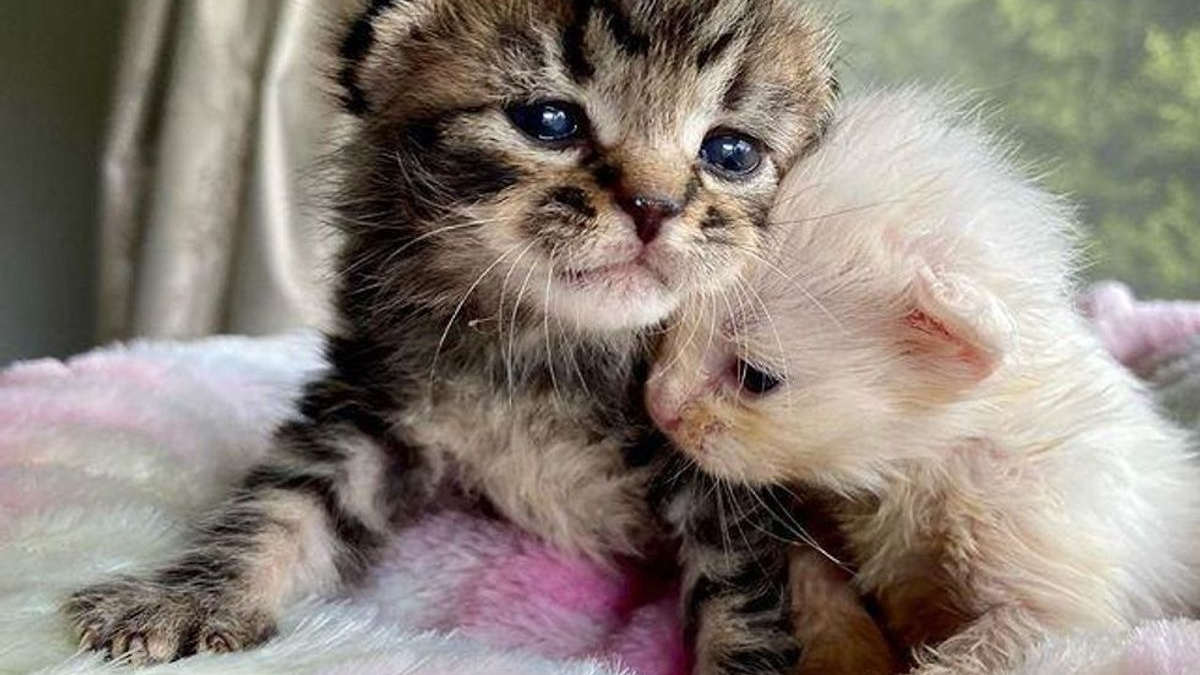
929,325
952,351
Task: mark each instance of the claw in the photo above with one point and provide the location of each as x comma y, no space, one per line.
143,623
219,643
87,641
136,651
118,647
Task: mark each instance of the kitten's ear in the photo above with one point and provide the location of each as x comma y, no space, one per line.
369,28
955,328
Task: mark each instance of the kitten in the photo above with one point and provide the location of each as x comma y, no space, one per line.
912,351
531,188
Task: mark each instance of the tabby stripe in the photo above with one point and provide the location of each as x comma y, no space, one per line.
296,439
472,174
435,168
713,219
714,50
207,568
574,35
572,199
737,90
190,642
351,531
621,28
700,594
350,397
763,599
760,215
762,661
354,49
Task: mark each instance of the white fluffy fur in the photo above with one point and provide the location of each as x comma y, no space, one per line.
920,310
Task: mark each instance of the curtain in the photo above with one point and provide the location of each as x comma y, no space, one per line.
206,216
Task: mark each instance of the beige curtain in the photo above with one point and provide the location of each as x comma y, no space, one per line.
207,219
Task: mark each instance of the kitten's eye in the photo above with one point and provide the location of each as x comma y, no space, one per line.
731,154
755,380
551,122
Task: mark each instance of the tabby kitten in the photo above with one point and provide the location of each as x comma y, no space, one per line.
531,188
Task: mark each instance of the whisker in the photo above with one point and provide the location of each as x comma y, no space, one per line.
512,332
682,349
722,525
800,287
428,235
546,325
803,193
783,361
458,310
737,338
741,516
789,521
507,354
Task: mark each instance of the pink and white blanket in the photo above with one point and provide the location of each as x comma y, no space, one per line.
105,458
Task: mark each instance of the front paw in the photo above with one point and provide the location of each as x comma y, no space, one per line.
141,622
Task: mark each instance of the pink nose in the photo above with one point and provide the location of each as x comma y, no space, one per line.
665,404
649,213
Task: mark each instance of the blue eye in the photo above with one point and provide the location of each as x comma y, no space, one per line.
731,155
551,122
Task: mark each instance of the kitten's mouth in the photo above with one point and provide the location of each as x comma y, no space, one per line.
635,293
631,272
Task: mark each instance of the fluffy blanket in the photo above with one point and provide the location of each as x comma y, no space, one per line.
105,458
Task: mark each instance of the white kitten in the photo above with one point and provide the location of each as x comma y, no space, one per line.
912,348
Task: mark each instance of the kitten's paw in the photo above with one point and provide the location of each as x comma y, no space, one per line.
144,622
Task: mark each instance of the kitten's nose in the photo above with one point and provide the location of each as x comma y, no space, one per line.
649,213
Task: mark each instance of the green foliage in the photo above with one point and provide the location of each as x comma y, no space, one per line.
1105,93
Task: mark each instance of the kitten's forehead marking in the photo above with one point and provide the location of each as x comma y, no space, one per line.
694,62
699,33
684,59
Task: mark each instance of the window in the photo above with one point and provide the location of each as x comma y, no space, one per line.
1102,95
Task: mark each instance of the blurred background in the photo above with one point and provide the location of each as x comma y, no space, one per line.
56,70
155,155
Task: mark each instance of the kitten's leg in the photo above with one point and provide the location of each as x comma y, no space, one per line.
838,634
311,516
737,614
736,599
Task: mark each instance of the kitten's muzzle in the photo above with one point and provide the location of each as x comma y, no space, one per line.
649,212
669,394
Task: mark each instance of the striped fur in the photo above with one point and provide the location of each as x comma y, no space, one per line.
493,331
737,597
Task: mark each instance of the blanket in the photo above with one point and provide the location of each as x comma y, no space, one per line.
105,458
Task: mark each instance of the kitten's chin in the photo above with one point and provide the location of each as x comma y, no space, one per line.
706,437
626,297
714,458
